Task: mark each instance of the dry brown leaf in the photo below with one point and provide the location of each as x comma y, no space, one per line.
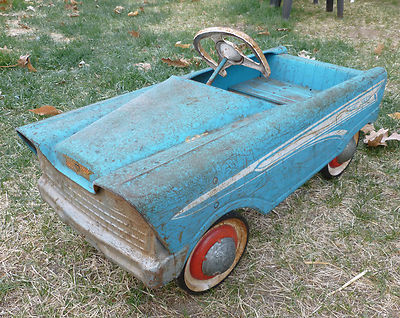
181,45
133,13
46,110
134,33
24,26
24,61
368,128
177,63
5,5
196,60
72,5
377,138
119,9
30,67
378,50
283,29
264,32
143,66
394,136
395,115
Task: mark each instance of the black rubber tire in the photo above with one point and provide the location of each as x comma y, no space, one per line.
181,279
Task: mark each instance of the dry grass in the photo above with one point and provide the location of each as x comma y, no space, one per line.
319,238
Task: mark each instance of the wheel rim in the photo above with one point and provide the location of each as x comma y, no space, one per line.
335,168
229,229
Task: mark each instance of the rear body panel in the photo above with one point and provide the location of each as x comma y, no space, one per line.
182,154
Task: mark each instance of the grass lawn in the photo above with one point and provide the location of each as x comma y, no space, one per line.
319,238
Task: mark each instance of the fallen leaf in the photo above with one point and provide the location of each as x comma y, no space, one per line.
395,115
46,110
181,45
177,63
143,66
24,61
368,128
133,13
134,33
197,60
5,5
378,50
24,26
119,9
264,32
74,15
31,68
305,54
72,5
394,136
376,138
283,29
83,64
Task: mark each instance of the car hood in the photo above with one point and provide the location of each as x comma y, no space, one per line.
173,112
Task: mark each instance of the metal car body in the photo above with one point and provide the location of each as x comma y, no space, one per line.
144,175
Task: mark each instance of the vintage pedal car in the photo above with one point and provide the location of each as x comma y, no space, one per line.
152,178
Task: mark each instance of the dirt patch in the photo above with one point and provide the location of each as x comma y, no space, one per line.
59,38
358,25
16,28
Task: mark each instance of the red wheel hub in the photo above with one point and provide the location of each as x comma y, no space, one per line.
208,240
334,163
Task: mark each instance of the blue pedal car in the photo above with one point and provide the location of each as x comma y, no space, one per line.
152,178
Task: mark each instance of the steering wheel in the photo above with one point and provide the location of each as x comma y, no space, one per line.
228,52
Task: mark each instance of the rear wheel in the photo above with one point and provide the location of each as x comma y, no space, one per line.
215,255
337,166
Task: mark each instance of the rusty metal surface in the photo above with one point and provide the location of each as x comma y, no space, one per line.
77,168
111,225
229,50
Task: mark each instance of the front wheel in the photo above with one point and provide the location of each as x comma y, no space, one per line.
215,255
337,166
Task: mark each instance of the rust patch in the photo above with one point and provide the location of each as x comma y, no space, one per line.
78,168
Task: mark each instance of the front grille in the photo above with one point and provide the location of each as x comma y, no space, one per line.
107,211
